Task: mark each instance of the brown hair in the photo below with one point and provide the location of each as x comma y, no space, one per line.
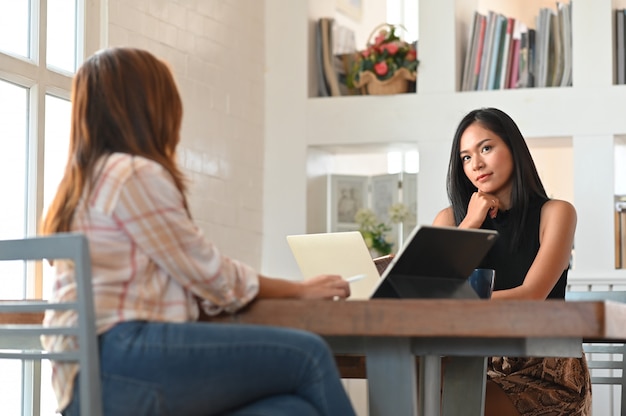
123,100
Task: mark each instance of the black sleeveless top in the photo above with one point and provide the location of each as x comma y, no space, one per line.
511,266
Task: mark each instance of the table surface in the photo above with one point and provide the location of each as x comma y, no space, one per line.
589,320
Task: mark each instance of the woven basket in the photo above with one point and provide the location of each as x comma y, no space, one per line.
397,84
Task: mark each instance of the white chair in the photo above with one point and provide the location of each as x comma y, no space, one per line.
21,341
596,352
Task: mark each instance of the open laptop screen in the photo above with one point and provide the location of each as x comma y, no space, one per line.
436,262
343,253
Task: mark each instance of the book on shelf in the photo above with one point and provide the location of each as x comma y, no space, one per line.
480,50
542,49
330,75
565,17
485,60
471,53
516,44
523,66
508,54
502,52
555,52
532,57
322,85
497,53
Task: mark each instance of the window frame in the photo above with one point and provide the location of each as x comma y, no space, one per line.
33,73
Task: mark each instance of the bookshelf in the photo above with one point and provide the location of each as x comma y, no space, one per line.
589,114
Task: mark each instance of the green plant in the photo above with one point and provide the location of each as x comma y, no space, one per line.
375,232
387,54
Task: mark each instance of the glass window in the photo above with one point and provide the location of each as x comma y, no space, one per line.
61,36
10,387
15,27
14,128
57,133
56,147
31,185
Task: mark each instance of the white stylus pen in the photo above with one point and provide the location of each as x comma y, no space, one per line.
355,278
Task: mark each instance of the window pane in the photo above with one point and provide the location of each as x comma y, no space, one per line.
57,138
61,46
57,134
14,128
11,386
13,125
14,27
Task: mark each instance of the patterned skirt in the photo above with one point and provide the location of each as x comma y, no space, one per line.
544,386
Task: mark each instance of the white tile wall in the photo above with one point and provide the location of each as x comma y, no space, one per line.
216,51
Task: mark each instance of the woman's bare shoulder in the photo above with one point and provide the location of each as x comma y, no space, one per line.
558,207
445,217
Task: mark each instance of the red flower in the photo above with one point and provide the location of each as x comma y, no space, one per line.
381,68
411,55
392,48
382,36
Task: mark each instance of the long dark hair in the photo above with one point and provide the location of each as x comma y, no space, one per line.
526,186
123,100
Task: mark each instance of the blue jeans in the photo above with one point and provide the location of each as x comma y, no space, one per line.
204,369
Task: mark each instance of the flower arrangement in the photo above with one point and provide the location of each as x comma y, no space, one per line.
374,232
386,57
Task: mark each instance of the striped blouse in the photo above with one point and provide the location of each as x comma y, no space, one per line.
149,260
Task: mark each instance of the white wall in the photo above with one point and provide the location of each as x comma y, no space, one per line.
554,159
285,151
217,52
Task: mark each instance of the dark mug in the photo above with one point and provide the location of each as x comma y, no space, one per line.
482,281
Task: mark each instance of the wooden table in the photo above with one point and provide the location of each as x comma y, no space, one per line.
390,333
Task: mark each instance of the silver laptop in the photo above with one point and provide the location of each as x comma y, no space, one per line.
343,253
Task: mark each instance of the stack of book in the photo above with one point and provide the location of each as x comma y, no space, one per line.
503,52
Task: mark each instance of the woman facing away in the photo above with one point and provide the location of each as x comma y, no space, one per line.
153,269
493,184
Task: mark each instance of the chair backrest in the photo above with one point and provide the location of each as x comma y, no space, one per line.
605,356
65,246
